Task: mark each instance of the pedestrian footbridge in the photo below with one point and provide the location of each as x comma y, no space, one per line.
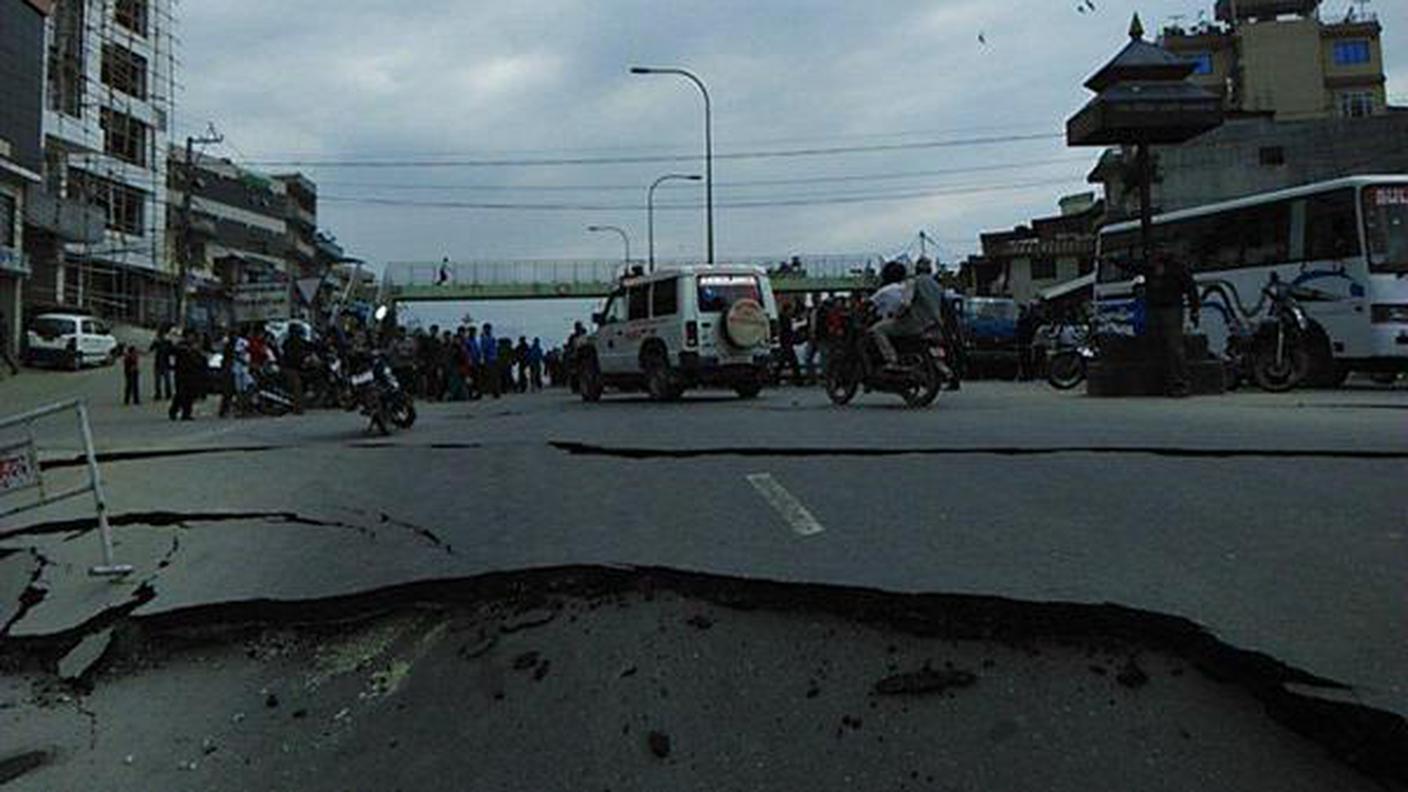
569,279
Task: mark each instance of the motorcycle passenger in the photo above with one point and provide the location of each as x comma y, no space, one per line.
907,307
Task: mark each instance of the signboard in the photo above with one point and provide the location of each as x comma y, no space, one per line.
261,302
19,469
1391,196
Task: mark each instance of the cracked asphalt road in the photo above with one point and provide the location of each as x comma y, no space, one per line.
1275,521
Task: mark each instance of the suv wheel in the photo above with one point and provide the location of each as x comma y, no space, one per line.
659,382
748,390
589,380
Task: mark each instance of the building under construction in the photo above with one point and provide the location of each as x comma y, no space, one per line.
96,235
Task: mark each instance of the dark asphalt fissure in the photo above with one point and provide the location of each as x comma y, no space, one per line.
785,452
1375,742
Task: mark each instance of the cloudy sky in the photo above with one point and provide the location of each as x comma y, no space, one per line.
961,136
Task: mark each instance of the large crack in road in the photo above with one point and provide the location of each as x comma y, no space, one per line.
804,452
1372,741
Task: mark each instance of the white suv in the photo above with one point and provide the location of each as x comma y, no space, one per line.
69,340
683,328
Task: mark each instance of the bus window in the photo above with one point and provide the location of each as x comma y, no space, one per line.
1266,232
1386,227
1330,230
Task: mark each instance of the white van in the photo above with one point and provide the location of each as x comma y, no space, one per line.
675,329
69,340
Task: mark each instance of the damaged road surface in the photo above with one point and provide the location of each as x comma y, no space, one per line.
611,679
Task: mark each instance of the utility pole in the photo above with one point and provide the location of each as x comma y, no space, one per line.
188,183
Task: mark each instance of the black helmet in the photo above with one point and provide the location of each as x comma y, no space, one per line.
893,272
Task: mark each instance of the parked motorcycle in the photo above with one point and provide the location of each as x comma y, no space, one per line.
1273,351
379,394
1068,365
853,363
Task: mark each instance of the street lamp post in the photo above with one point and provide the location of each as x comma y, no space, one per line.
708,144
625,239
650,208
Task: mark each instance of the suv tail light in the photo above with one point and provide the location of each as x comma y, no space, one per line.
691,334
1389,313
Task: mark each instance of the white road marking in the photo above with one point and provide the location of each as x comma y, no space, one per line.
798,518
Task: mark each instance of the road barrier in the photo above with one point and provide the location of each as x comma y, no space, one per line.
20,472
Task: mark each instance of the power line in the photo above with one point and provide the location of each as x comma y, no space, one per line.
897,175
648,159
744,204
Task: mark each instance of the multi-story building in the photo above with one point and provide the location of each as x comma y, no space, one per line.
21,106
109,86
1023,262
1306,101
1285,58
246,230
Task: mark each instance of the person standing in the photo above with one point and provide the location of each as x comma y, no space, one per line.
189,368
162,351
572,354
131,371
535,364
5,344
1168,285
229,350
295,355
520,357
491,379
787,344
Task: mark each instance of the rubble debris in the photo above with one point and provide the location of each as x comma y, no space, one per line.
525,661
529,618
923,681
1131,675
659,744
81,658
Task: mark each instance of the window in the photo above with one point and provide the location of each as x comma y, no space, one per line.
124,137
615,308
665,298
65,80
1272,155
49,327
1202,62
1043,269
1356,104
1386,228
125,206
639,301
7,221
125,71
718,292
1330,228
1352,52
131,14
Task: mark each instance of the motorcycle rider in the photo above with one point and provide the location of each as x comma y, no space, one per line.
907,307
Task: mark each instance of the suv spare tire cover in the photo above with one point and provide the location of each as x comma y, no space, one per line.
746,324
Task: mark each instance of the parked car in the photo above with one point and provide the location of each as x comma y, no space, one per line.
69,340
696,326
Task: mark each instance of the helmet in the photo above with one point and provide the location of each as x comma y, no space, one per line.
893,272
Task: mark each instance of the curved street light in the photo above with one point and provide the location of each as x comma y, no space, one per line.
708,143
650,207
625,239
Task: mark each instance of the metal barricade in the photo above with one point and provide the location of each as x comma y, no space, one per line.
20,471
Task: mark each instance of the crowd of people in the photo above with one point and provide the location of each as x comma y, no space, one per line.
472,362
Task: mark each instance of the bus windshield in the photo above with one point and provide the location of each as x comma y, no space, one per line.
1386,227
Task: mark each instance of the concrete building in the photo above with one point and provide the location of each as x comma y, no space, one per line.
21,158
1306,101
1284,58
246,229
109,88
1031,258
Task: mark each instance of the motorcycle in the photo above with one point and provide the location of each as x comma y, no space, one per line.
1069,366
379,393
852,363
1273,352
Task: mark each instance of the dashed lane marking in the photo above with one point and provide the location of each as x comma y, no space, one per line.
798,518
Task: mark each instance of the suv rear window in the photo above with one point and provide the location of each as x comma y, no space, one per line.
50,327
718,292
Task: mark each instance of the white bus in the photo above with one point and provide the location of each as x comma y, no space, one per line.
1342,243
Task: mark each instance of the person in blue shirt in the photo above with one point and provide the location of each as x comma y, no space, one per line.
490,380
472,356
535,364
